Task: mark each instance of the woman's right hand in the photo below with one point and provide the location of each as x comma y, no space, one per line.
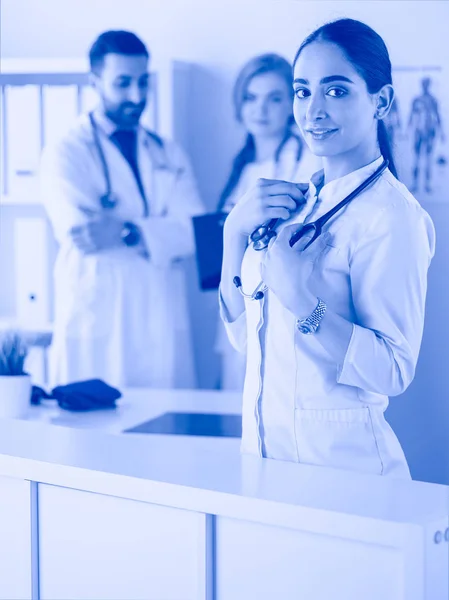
268,199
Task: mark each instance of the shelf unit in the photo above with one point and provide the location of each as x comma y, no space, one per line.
39,100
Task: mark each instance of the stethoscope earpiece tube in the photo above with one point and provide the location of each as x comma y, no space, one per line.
237,282
107,200
258,293
317,225
262,235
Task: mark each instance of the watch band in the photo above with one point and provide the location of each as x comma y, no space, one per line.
310,324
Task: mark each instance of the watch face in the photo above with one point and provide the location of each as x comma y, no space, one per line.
304,328
130,234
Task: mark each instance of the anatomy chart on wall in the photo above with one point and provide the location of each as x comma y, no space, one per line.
418,125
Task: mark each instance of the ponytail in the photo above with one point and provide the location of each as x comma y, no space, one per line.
259,65
385,146
246,155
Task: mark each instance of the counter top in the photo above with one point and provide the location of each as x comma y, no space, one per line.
139,405
203,474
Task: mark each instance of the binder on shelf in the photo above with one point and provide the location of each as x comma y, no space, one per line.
3,163
32,283
60,109
23,139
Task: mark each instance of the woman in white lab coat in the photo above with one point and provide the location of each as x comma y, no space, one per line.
121,314
337,325
273,149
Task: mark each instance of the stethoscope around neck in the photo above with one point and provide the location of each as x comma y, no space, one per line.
262,236
109,199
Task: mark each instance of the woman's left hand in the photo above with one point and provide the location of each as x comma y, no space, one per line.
286,272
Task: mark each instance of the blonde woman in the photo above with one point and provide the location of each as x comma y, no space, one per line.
273,148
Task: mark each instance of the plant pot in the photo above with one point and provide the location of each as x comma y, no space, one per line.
15,395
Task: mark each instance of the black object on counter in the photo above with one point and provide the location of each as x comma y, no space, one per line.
179,423
92,394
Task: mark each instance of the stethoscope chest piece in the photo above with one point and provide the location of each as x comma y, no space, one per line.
109,201
262,237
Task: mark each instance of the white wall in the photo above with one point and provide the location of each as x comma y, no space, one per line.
217,33
217,37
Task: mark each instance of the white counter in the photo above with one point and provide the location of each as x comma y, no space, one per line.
190,518
139,405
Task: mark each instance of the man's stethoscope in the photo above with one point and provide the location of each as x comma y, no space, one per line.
262,236
108,200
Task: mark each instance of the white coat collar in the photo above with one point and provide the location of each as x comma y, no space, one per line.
334,191
104,123
157,152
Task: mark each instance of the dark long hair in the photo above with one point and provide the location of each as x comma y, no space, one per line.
265,63
368,54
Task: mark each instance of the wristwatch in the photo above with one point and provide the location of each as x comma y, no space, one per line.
130,234
310,324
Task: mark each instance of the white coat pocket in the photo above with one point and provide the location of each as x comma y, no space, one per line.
337,438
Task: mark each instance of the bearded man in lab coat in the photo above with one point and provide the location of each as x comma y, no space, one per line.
120,200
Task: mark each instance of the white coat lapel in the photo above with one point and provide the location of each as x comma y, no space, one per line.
158,175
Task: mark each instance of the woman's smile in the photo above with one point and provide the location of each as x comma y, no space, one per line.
320,133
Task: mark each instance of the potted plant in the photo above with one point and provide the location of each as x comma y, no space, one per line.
15,384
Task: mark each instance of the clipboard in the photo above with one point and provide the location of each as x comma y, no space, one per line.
208,231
